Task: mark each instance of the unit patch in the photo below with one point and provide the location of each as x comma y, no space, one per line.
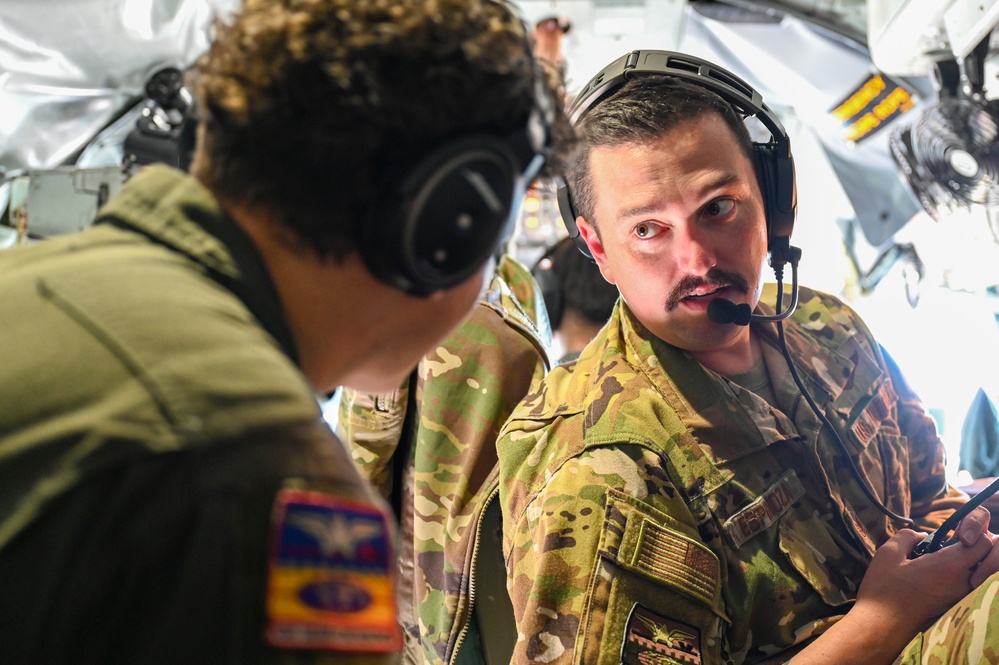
330,577
650,639
764,511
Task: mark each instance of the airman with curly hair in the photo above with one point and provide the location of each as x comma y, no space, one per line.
169,491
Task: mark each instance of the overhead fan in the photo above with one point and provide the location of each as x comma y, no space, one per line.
950,155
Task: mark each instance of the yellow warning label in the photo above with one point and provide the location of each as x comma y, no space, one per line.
871,106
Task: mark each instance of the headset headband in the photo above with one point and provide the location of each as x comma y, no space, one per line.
773,162
743,97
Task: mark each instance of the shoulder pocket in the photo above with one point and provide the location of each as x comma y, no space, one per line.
648,542
656,590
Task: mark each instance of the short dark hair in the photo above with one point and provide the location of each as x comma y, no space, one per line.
308,108
641,111
569,280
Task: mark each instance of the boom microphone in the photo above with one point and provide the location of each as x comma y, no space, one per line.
725,311
721,310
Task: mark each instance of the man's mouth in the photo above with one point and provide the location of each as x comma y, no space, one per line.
705,292
696,297
698,292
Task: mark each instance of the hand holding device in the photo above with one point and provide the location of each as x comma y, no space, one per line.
939,538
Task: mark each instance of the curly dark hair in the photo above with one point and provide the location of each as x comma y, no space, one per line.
641,111
308,106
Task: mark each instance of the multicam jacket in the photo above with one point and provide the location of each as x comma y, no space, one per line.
967,633
656,512
464,391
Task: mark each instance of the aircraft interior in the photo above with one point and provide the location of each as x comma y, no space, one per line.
891,106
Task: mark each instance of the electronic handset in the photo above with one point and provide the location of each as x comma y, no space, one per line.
939,538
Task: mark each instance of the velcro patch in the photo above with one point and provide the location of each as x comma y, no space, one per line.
765,510
330,576
670,557
877,409
650,639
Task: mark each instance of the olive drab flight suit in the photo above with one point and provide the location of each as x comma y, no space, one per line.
169,492
655,511
465,389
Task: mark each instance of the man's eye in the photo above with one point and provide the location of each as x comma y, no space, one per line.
719,207
646,230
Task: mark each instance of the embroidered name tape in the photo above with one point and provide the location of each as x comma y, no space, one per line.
870,419
765,510
330,576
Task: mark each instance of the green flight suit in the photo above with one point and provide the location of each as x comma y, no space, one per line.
655,511
465,389
169,492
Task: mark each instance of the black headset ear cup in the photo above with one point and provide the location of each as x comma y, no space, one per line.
775,174
441,220
568,212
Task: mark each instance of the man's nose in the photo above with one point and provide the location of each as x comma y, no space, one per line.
695,254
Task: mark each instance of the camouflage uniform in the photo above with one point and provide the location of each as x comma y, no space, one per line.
657,512
169,492
465,390
966,633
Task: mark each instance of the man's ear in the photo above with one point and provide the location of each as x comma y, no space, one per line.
588,232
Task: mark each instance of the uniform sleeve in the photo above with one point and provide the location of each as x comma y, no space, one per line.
933,498
553,555
265,548
291,554
371,426
600,569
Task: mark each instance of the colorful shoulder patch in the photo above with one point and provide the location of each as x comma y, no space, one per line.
650,639
330,580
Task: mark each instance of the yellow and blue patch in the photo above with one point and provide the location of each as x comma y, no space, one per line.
330,580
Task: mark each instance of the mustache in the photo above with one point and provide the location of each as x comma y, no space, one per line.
716,277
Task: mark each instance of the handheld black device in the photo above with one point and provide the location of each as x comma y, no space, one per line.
939,539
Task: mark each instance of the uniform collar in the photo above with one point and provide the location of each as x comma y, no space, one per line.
827,342
713,413
821,339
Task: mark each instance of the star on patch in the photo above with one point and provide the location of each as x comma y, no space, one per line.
330,582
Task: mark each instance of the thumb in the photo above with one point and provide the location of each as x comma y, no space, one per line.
973,526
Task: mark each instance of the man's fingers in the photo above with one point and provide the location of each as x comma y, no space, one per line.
973,526
987,566
903,541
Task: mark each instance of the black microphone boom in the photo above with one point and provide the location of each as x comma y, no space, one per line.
725,311
721,310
